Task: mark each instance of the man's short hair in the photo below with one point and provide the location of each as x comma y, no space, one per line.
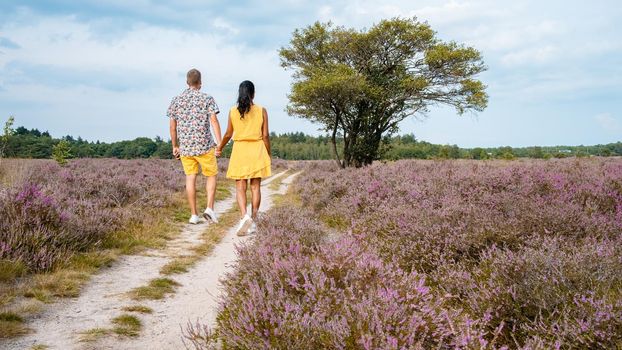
193,78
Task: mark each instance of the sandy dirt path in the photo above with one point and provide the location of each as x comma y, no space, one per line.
105,295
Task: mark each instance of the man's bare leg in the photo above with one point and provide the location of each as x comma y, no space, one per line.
191,192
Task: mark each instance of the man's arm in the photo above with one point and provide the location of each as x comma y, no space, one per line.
173,131
212,111
216,127
265,132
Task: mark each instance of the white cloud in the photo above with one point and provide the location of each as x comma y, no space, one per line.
223,24
608,122
65,43
504,36
162,55
325,13
529,56
451,11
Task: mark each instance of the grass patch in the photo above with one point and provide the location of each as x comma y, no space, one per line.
25,306
11,325
138,308
290,198
10,317
94,334
224,191
93,261
39,347
152,232
127,325
38,294
178,265
7,294
10,270
156,289
276,183
63,283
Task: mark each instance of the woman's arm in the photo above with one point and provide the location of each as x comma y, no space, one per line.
227,136
266,132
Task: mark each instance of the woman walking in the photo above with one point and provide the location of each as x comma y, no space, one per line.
250,157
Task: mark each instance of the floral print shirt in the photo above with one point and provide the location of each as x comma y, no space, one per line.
192,110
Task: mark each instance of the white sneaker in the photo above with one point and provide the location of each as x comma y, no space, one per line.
245,222
194,219
253,229
209,214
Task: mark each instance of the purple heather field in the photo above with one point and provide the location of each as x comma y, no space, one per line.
50,212
523,254
433,255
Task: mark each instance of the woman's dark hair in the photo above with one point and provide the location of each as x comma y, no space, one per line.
246,93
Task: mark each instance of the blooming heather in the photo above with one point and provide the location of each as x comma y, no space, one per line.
56,211
425,254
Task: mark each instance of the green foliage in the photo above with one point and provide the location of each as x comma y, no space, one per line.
479,153
449,152
33,143
536,152
507,156
560,155
61,151
361,84
6,134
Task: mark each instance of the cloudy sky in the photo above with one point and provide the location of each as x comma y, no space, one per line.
106,70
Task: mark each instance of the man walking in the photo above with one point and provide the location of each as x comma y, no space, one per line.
191,114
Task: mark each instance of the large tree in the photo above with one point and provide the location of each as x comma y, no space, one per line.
361,84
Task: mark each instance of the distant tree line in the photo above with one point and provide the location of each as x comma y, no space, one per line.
32,143
406,146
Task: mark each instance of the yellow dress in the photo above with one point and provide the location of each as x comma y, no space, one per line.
249,157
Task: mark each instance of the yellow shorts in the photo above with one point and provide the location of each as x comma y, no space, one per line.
209,167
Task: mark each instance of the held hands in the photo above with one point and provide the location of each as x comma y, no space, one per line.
217,152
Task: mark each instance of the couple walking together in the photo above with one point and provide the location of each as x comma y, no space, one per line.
193,115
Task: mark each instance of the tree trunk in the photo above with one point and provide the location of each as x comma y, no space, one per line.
347,152
334,142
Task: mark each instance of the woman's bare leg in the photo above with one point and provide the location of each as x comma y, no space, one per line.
210,189
240,194
255,195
